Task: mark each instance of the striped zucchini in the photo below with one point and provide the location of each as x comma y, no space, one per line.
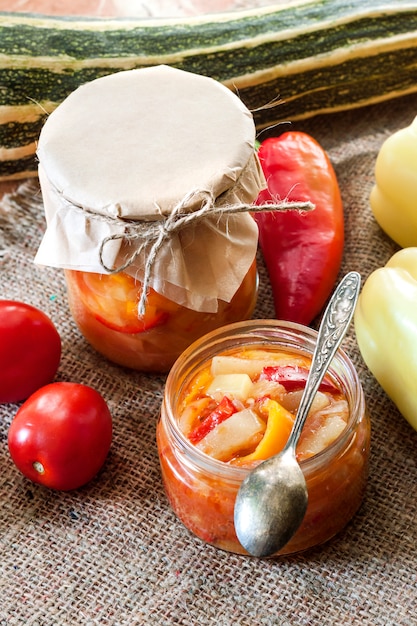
308,56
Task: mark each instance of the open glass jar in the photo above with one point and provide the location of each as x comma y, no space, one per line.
148,178
202,490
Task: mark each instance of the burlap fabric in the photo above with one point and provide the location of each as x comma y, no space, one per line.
114,554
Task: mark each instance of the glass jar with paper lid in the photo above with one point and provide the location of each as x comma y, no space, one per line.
148,178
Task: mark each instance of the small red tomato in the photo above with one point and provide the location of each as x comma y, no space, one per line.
30,350
61,435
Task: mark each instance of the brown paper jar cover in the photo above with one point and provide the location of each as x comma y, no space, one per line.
119,158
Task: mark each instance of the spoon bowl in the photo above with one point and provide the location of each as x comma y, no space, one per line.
272,500
287,515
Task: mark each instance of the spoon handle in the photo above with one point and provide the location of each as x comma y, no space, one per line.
333,327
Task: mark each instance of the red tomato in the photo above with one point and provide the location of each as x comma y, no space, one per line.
61,435
30,350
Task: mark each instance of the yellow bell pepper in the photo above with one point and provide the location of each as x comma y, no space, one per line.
386,329
393,198
279,425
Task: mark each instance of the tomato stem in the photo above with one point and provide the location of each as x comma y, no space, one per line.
38,467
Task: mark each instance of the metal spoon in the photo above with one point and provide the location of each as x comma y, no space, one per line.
272,500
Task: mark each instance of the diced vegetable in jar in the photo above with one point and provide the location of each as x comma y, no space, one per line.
240,407
242,429
236,386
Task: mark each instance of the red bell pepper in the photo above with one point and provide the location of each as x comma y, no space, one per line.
224,410
293,378
302,251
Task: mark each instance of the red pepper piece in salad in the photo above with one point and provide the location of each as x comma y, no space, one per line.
113,301
302,251
222,412
294,377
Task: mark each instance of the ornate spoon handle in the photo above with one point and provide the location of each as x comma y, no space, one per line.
333,327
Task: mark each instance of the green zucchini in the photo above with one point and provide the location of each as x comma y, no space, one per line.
286,62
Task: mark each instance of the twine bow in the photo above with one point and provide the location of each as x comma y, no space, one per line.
156,233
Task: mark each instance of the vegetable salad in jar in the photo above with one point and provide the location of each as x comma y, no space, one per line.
148,178
230,403
105,307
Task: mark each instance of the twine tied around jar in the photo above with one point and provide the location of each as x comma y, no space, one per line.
156,233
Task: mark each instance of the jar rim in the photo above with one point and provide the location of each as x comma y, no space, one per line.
260,331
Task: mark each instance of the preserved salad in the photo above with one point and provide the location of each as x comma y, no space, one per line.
241,407
105,308
223,415
149,210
